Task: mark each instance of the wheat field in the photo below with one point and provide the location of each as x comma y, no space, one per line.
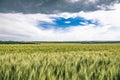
59,61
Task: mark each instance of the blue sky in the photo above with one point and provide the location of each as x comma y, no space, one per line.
63,23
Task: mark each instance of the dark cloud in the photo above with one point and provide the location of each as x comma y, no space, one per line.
52,6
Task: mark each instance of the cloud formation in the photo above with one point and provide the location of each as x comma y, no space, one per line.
20,26
20,20
54,6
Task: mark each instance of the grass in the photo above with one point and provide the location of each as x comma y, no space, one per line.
60,61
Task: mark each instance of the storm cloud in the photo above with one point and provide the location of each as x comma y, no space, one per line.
54,6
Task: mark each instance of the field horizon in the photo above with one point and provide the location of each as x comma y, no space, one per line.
37,42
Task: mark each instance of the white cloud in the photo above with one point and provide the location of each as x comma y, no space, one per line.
20,26
72,1
87,1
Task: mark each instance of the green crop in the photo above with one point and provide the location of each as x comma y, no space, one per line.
60,61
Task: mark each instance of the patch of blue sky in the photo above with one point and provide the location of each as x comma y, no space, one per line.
61,22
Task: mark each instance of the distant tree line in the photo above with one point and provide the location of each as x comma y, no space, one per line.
15,42
38,42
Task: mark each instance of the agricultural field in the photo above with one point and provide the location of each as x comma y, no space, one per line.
59,61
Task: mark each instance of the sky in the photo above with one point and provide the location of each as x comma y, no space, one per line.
60,20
